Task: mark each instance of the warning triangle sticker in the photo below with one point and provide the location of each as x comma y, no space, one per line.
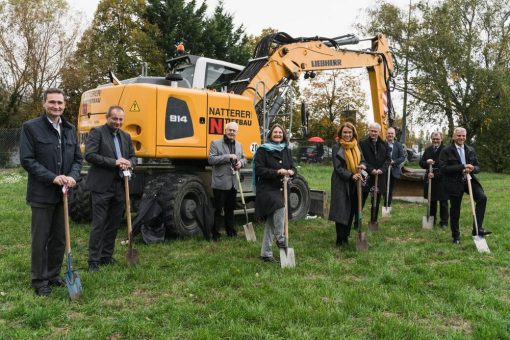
134,107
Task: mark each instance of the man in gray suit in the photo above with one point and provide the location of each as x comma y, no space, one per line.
226,156
398,157
109,151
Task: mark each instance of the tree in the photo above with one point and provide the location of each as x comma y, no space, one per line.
37,39
118,40
328,95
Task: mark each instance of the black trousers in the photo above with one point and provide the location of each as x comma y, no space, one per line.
374,209
390,193
224,200
108,209
455,204
443,211
48,242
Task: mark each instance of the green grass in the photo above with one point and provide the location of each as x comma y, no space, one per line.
412,283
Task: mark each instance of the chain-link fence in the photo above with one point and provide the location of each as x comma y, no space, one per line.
9,147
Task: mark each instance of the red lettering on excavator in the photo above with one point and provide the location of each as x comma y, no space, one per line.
215,126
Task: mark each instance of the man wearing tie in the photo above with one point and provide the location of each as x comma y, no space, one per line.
109,151
398,158
455,161
438,194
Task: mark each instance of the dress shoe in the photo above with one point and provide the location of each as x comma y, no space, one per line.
443,225
43,291
456,241
108,261
269,259
232,233
216,237
93,267
481,232
57,282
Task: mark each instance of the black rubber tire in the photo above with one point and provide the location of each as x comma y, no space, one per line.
299,197
178,196
80,207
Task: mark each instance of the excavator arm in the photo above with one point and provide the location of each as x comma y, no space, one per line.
287,58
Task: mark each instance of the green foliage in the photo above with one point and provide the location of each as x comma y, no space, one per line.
412,283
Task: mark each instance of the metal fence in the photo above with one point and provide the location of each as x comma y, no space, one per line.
9,147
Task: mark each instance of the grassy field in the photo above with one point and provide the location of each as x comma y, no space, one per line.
412,283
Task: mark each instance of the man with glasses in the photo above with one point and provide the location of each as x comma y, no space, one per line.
226,157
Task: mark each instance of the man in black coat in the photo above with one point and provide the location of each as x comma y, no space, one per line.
438,193
455,161
109,151
377,157
50,153
398,157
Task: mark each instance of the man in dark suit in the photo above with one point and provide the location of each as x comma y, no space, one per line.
226,156
438,193
455,161
398,157
50,153
377,158
109,151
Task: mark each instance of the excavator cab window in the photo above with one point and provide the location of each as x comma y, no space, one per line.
219,76
178,122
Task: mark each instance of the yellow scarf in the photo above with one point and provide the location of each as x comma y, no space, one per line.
352,154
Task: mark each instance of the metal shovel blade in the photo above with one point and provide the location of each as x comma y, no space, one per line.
373,226
386,212
132,257
481,244
361,242
73,282
427,222
249,232
287,258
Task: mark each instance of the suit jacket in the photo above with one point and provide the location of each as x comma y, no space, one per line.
398,156
45,155
452,168
376,160
438,190
223,177
100,153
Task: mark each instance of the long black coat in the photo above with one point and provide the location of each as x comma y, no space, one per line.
269,185
341,186
380,160
452,168
438,191
45,155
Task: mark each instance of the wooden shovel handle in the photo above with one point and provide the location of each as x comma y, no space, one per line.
128,208
285,199
66,220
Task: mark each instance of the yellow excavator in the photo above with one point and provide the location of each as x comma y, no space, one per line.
173,119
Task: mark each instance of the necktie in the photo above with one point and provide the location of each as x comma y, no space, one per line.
435,149
462,156
118,153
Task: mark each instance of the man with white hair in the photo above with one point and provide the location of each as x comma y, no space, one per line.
398,157
226,157
455,161
378,158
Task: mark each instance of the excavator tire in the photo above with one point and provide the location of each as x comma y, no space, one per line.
178,195
299,197
80,207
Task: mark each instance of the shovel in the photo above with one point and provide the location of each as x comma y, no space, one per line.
72,278
373,225
361,241
132,254
480,242
287,258
386,210
249,232
427,221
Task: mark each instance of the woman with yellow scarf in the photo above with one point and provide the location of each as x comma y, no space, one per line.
347,157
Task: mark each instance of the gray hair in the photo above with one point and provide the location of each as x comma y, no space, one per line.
232,125
374,125
436,133
459,128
